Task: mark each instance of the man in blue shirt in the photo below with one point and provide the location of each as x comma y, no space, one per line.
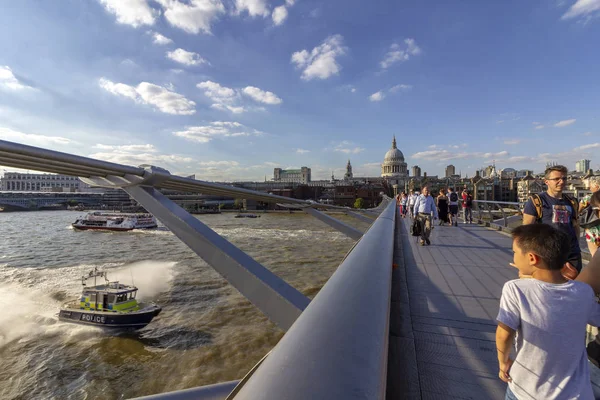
423,210
556,209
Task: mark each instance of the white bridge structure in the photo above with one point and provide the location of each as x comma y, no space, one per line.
356,299
395,321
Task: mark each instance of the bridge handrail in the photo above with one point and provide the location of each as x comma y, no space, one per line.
108,174
319,357
510,203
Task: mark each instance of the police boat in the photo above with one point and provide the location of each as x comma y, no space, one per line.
109,305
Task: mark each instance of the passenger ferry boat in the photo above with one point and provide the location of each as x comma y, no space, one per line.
109,305
115,221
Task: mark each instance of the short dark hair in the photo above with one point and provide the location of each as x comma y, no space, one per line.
550,244
559,168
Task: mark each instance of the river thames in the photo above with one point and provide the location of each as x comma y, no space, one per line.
206,333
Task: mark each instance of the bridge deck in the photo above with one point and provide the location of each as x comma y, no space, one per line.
445,300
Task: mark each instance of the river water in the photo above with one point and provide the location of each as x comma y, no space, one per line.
206,333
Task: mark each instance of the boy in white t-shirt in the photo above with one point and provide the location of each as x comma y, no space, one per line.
548,315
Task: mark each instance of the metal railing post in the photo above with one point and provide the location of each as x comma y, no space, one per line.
487,208
503,215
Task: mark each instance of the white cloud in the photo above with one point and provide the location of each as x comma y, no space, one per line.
127,147
9,81
186,57
33,139
225,98
566,122
120,89
400,88
131,12
147,93
445,155
160,39
377,96
137,154
512,141
290,2
539,127
321,62
219,163
399,53
302,151
380,95
588,134
348,148
582,8
587,147
279,15
353,90
261,96
255,8
193,16
217,93
217,129
233,109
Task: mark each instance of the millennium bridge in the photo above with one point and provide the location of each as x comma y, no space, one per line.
395,321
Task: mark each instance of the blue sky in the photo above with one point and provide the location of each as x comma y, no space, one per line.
229,89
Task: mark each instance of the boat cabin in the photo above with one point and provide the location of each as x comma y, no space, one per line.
112,296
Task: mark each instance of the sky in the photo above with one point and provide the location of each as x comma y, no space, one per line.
229,89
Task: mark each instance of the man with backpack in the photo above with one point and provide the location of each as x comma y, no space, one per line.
467,206
453,207
557,209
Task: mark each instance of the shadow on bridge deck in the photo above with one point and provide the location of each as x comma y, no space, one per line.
445,299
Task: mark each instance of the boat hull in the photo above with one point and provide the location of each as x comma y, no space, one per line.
110,228
99,228
110,320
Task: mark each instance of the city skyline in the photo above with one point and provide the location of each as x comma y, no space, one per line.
229,91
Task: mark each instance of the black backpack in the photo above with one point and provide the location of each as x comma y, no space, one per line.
453,197
469,202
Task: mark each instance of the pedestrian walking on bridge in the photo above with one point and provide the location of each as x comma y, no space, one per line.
424,209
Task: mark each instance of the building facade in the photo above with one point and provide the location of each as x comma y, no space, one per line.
25,182
582,166
416,171
394,169
301,175
450,171
348,175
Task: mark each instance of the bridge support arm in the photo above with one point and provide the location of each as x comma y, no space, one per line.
360,217
279,301
347,230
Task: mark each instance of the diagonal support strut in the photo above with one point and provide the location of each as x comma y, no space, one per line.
347,230
279,301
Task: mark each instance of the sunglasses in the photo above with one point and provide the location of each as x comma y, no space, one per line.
560,178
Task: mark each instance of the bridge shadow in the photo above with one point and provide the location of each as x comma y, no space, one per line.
452,291
452,299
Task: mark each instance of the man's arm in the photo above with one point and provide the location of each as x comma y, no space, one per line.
416,206
576,227
504,340
529,213
591,273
